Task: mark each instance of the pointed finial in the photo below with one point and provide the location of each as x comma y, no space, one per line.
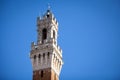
48,6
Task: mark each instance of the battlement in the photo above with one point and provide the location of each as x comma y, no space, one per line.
47,44
47,20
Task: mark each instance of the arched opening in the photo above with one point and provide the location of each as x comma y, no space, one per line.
53,34
48,55
48,15
43,56
39,57
42,73
44,34
34,56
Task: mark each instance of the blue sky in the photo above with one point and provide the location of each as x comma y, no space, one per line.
89,35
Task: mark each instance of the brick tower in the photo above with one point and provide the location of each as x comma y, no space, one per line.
46,55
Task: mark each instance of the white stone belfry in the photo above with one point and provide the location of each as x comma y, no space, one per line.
46,53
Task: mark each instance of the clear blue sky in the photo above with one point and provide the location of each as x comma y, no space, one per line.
89,34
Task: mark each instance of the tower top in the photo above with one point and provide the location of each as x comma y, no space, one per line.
46,55
48,17
48,10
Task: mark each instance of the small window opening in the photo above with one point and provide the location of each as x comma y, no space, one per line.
48,55
39,56
43,56
44,34
42,73
53,34
48,16
34,56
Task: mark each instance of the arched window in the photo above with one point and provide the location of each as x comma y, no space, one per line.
53,34
43,56
48,15
39,56
44,34
42,73
48,55
34,56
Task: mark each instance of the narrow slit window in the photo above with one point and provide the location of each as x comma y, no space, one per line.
42,73
39,57
48,55
44,56
44,34
34,57
53,34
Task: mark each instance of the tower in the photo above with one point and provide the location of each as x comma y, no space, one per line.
46,55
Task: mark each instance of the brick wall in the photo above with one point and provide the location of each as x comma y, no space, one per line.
45,74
